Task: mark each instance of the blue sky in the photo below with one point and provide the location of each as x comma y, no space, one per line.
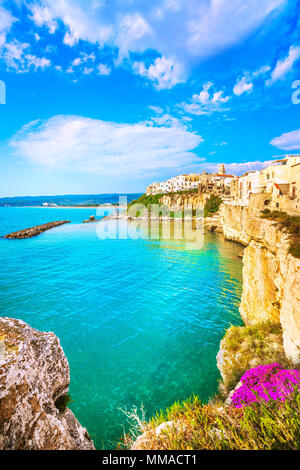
110,95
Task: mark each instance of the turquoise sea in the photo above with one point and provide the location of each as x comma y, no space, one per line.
140,320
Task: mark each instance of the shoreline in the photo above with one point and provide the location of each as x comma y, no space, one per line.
101,206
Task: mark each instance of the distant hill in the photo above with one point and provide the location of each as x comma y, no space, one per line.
66,200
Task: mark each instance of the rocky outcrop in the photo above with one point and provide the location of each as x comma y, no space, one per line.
177,201
271,276
92,218
34,374
37,230
245,347
213,223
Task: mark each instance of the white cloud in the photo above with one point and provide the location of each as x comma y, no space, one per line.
82,144
221,23
6,20
131,30
261,71
206,102
243,85
164,73
188,32
284,66
16,57
103,69
156,109
84,58
70,39
289,141
43,16
87,70
82,22
37,62
221,144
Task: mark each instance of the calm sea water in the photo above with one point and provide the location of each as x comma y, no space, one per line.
140,321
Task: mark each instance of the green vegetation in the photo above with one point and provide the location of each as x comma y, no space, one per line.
291,224
147,200
63,402
265,426
152,199
212,205
248,346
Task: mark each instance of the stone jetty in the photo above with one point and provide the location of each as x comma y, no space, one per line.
37,230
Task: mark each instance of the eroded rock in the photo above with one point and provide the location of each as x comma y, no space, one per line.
34,373
271,275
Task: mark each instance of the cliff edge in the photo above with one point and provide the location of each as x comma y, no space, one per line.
271,275
34,375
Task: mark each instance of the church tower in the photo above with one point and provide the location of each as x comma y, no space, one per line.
222,170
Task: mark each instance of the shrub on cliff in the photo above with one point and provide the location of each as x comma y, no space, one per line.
147,200
291,224
245,347
212,205
193,426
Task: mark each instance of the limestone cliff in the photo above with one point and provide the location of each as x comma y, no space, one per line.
34,373
177,201
271,276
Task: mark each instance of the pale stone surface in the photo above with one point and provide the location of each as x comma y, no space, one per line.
179,201
143,442
34,372
147,439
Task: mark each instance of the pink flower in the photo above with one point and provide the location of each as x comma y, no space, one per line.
265,383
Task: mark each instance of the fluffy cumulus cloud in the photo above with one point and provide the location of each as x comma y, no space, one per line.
106,148
182,32
289,141
16,56
164,73
283,66
6,20
243,85
103,69
206,102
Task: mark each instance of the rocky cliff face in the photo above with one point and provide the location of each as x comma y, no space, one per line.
271,276
34,373
179,201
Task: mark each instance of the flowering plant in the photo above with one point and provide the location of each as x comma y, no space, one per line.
270,382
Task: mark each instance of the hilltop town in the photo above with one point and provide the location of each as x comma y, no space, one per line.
279,183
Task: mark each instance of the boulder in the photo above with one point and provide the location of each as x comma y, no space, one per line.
34,377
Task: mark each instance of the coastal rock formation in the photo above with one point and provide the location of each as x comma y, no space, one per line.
271,276
177,201
34,374
92,218
213,224
37,230
245,347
